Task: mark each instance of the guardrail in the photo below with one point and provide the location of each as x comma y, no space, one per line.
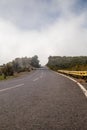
74,73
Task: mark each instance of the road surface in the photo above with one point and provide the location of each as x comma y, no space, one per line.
42,100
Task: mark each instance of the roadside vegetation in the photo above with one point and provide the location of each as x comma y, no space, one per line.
69,65
18,65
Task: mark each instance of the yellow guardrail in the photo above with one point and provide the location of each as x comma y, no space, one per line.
74,73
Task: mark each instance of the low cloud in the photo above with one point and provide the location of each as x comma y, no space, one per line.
66,35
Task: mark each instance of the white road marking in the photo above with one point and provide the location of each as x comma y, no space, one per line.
16,86
80,85
83,89
36,79
39,77
68,77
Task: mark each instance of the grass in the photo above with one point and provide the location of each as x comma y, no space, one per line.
1,77
8,77
14,76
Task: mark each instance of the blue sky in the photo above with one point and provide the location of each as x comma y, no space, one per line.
42,27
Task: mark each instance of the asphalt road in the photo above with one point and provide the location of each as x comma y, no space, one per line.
85,85
42,100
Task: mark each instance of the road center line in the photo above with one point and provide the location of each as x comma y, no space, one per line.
16,86
36,79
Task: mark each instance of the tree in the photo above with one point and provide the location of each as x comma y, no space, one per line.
35,61
7,70
20,65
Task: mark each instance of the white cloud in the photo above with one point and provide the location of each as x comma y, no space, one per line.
66,36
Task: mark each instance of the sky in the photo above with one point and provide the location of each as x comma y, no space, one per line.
42,27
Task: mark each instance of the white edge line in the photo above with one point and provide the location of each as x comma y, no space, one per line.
68,77
16,86
83,89
80,85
